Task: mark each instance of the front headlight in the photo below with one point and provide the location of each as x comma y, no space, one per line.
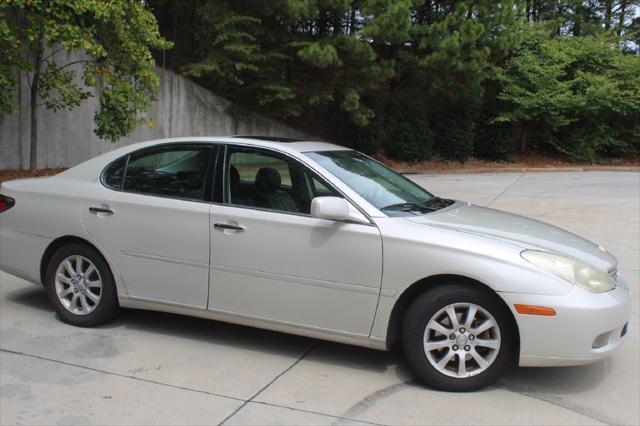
571,270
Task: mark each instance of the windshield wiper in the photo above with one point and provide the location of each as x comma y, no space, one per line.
438,203
407,207
430,205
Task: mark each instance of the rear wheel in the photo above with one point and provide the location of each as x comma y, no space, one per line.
458,338
80,286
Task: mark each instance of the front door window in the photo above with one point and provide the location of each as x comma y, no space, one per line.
267,180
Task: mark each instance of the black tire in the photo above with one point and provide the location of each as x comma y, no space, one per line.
432,301
107,307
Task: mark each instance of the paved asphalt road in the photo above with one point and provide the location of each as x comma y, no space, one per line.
152,368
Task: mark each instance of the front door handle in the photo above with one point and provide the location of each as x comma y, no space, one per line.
228,226
101,210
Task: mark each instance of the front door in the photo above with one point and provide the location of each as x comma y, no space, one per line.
270,259
150,214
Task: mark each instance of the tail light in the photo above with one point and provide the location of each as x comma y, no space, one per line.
6,203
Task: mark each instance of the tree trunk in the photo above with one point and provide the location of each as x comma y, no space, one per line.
322,23
33,155
608,5
393,54
337,23
355,6
623,11
352,21
523,140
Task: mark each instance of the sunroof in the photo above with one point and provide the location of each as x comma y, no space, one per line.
270,138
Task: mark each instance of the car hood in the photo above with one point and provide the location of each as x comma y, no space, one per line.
526,233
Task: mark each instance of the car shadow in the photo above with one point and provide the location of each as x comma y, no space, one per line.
225,334
31,297
557,381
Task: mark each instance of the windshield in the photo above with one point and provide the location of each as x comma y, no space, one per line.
384,188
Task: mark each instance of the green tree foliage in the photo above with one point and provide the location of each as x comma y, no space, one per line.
10,61
580,95
285,57
468,40
115,39
414,78
582,17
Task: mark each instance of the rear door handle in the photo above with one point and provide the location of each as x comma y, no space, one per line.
228,226
102,210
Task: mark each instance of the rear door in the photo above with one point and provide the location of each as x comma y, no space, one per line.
271,260
150,213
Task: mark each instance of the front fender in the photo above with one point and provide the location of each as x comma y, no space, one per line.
414,252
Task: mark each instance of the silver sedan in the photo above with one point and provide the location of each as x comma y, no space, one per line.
314,239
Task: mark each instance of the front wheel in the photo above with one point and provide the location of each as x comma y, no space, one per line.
81,286
458,338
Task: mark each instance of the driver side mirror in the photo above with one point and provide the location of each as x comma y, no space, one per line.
336,208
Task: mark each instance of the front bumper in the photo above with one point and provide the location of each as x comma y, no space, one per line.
586,328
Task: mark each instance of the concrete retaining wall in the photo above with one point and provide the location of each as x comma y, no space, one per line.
182,108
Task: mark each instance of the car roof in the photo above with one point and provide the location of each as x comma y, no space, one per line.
271,138
87,169
295,144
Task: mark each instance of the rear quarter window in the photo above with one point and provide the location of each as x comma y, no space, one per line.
114,173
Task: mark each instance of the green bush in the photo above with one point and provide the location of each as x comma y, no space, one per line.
456,142
579,95
409,136
345,132
410,143
493,141
452,124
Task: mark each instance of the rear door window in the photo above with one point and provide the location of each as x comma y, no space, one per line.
174,171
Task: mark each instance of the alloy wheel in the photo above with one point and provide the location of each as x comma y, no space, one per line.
462,340
78,285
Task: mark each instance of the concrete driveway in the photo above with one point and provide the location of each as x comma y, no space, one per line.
152,368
